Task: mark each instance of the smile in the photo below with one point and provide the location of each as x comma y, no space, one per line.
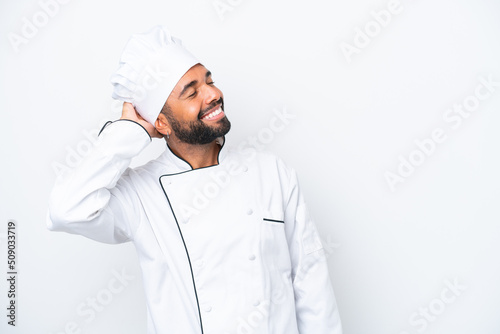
214,114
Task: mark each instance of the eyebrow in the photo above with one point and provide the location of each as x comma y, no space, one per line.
193,83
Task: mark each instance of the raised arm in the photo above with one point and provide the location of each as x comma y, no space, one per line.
96,199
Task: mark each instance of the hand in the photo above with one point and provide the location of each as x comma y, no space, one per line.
129,112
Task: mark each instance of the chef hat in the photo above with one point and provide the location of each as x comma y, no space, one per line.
150,66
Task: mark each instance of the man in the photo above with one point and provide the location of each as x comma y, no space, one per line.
224,238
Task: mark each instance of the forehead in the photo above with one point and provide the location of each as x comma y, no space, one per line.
194,75
196,72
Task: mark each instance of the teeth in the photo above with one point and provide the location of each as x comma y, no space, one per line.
213,113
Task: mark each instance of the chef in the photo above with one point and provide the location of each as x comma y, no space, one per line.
224,239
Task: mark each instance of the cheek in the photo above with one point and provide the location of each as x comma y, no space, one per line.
190,111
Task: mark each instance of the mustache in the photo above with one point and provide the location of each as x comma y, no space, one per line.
212,105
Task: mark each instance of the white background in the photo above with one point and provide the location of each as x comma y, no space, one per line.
390,253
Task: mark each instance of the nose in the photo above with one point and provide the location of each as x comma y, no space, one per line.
212,94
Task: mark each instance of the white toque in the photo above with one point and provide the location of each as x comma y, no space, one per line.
150,66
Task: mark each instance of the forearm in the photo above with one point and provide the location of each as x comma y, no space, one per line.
315,303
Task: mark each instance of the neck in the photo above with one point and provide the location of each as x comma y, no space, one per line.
197,156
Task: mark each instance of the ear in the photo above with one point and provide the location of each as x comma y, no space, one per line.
162,125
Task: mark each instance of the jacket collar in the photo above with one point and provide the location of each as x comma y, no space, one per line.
176,164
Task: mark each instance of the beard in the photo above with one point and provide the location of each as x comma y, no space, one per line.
197,132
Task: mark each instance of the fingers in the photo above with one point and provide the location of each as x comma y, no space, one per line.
129,112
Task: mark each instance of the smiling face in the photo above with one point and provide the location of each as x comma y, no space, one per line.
194,111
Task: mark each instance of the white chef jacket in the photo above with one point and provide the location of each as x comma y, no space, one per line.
225,249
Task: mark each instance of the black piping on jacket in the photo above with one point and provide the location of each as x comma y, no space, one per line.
179,228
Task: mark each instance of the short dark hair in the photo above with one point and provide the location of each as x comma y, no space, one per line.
166,110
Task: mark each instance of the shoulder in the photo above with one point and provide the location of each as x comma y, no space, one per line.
270,159
151,170
264,161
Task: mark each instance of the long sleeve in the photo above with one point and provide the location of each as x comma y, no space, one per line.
315,304
96,199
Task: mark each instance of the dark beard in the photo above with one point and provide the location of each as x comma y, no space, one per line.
197,132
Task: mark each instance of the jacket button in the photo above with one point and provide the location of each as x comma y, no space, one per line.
245,169
249,212
207,308
256,303
251,257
